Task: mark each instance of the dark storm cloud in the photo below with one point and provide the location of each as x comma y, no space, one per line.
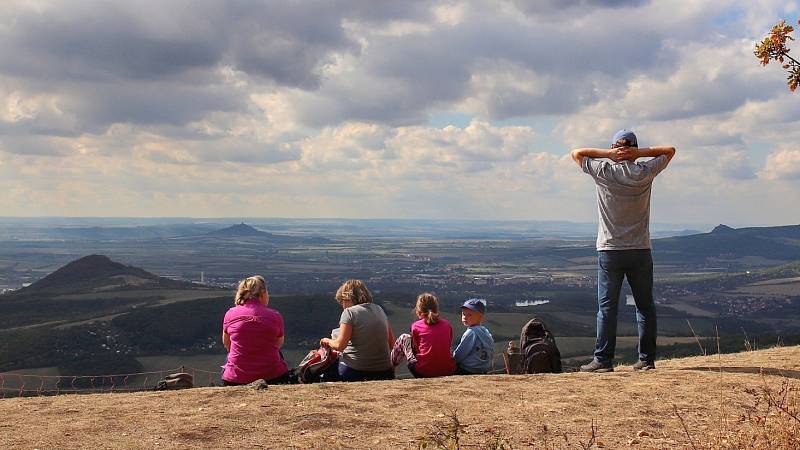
290,41
152,62
104,41
380,11
396,82
399,79
283,41
280,40
287,42
573,6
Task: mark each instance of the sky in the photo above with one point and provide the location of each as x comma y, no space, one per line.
387,109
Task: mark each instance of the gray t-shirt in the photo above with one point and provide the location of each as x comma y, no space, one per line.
369,345
623,201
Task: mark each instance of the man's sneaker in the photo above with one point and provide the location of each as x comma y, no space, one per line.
644,365
597,366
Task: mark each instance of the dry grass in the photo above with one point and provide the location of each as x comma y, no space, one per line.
624,409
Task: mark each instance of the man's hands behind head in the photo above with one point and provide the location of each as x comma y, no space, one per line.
625,154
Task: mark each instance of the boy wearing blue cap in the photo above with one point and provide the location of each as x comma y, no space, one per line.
623,241
475,353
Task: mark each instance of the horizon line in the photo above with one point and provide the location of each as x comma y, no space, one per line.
244,219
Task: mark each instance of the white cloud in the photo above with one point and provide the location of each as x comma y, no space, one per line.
782,165
416,149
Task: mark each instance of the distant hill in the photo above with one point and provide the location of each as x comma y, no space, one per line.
774,243
241,229
96,273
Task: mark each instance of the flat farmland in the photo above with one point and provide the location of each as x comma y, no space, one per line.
779,287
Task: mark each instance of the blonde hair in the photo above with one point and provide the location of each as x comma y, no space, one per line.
428,305
355,291
250,287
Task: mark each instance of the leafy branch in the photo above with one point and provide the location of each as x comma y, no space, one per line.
773,47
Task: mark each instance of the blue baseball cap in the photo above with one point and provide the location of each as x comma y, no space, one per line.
475,304
626,136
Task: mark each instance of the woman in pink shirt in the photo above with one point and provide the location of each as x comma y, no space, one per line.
253,335
427,348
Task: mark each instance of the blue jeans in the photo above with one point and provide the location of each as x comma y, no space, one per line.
612,267
347,373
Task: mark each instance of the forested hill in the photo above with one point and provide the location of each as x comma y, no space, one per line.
774,243
95,273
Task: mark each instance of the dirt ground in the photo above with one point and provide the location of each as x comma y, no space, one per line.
628,409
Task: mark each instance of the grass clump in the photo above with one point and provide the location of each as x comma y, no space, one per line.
448,434
770,419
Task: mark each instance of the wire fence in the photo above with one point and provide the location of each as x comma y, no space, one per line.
14,385
30,385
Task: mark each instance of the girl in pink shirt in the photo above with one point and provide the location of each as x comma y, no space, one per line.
427,348
253,335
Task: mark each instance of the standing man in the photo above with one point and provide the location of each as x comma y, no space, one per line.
623,241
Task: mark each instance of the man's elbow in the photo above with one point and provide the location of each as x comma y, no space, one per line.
577,156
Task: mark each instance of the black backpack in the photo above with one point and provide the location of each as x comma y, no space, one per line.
538,350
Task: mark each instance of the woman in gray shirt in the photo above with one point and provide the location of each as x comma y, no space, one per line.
365,337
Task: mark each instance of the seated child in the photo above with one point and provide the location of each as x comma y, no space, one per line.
427,348
475,353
